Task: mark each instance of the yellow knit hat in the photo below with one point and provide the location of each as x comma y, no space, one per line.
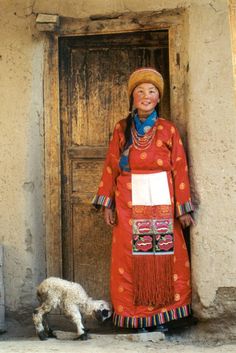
146,75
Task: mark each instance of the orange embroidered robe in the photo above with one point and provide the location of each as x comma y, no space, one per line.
166,153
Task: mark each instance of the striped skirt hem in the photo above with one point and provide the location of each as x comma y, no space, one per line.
157,319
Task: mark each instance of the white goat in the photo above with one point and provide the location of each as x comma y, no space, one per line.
72,299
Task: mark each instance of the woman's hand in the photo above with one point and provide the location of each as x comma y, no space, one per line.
109,217
186,220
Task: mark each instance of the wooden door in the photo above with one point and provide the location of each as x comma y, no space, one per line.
93,81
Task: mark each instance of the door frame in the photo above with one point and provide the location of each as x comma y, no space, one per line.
175,22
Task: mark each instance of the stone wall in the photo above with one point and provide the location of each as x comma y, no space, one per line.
210,121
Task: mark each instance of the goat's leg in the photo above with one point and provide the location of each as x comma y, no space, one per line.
39,319
72,312
47,328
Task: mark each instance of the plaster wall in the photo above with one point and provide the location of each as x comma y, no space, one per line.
211,134
21,156
210,112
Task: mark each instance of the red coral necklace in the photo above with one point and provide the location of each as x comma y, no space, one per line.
142,142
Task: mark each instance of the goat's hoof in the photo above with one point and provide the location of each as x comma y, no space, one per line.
42,336
83,337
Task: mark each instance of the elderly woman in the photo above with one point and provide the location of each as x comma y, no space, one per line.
146,197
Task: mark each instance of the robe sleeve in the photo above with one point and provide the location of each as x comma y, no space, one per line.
106,192
183,203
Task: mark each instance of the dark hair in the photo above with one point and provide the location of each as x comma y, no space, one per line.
129,120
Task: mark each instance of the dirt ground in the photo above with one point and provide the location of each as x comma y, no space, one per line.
206,337
105,344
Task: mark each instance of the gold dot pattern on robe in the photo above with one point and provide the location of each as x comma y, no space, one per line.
117,126
186,264
186,168
129,186
172,129
177,297
117,193
175,277
175,172
160,127
174,259
182,186
160,162
150,308
101,184
143,155
109,171
178,159
121,270
120,308
180,142
188,283
130,222
114,240
120,289
129,204
159,143
184,247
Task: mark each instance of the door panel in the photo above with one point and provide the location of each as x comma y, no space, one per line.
86,170
93,96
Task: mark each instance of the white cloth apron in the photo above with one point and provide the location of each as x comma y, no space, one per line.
150,189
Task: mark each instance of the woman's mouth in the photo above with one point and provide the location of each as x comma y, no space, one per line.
146,103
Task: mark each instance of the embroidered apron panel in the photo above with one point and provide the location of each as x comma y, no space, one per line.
153,244
152,226
152,223
152,212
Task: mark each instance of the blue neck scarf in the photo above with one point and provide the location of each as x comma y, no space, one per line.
141,128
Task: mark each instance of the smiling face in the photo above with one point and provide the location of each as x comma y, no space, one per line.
146,97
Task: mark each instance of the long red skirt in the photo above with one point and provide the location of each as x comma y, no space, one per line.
126,314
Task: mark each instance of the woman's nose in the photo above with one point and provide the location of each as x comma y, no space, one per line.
145,94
